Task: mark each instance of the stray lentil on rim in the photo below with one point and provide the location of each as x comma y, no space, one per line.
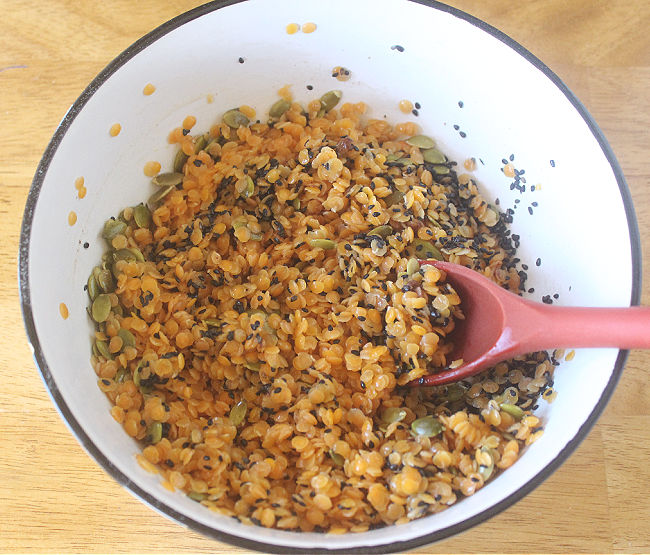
257,324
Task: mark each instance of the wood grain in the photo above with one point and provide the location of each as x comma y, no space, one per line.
55,498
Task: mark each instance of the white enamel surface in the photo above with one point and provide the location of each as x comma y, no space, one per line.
510,107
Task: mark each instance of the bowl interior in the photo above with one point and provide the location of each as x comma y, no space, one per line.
480,97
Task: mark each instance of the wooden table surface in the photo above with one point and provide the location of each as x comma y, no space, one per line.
55,498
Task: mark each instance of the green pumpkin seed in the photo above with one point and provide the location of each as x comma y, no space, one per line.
208,148
200,144
421,141
486,471
433,221
102,349
238,412
213,322
337,458
113,228
101,308
167,179
296,204
254,366
393,414
455,392
136,374
404,161
249,190
428,426
382,231
441,170
235,119
395,197
196,496
425,249
160,194
179,160
142,216
128,339
434,156
513,410
118,311
412,266
137,253
154,432
92,287
391,157
124,254
325,244
105,281
121,375
279,108
330,99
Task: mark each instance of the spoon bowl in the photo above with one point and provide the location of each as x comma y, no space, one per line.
499,325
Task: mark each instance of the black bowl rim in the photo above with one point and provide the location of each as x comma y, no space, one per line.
246,543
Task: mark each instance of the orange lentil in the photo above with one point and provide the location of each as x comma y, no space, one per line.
189,122
115,129
470,164
72,217
152,168
292,28
308,27
405,106
148,90
63,311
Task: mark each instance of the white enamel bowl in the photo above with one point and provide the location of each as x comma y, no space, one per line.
455,67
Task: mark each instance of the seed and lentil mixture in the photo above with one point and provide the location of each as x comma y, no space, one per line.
259,319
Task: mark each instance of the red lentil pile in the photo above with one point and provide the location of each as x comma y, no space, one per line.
258,321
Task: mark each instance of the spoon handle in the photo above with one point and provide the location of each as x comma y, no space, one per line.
562,326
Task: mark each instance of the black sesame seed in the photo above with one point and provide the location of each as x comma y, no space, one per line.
418,105
241,60
463,134
185,131
198,163
552,163
310,87
461,104
538,262
86,245
415,112
397,47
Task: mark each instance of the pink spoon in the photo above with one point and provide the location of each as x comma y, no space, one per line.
500,325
